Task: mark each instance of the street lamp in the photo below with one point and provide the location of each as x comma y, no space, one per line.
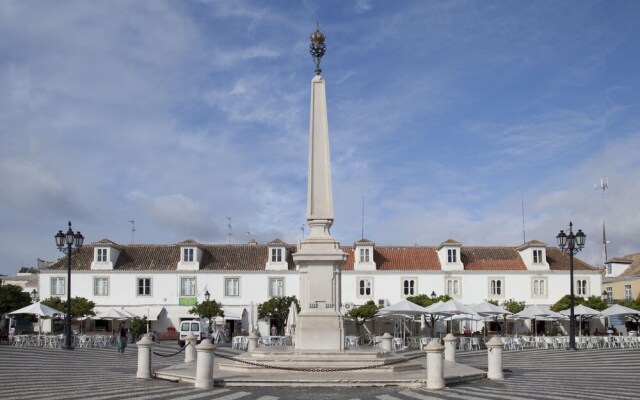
433,295
207,296
68,243
34,295
571,244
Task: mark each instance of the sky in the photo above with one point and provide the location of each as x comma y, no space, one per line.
487,122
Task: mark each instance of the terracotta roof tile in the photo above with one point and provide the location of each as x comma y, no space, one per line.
559,261
491,259
138,257
634,267
399,258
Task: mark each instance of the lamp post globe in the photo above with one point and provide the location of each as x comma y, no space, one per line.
68,243
571,244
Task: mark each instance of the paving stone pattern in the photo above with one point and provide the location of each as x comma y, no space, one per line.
102,374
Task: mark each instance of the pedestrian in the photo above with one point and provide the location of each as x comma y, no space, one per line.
274,330
121,340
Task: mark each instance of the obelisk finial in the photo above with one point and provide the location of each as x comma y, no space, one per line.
317,48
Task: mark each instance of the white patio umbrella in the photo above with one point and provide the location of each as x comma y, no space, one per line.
403,308
489,310
450,308
617,310
41,311
292,318
537,312
582,312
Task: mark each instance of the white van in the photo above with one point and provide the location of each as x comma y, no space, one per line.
199,329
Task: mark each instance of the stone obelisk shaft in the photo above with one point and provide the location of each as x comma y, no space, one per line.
319,258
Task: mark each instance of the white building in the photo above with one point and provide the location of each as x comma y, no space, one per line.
162,282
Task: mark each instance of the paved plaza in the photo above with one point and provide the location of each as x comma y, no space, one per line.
101,374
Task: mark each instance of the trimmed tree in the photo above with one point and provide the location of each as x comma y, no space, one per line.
207,309
80,306
277,308
362,314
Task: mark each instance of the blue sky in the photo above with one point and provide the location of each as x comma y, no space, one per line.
443,116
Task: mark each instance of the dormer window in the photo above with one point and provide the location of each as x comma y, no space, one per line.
187,254
452,256
364,255
537,256
276,255
101,255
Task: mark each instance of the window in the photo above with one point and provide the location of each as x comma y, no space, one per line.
102,255
496,287
187,286
276,287
609,269
100,286
144,286
187,255
539,287
409,287
276,255
582,287
537,256
609,294
232,286
452,256
364,255
627,292
364,287
57,286
453,287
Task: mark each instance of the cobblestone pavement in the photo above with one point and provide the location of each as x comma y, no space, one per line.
100,374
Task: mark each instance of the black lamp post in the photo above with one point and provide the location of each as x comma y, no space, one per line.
207,296
68,243
571,244
433,295
34,295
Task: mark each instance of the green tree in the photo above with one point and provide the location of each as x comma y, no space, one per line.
513,306
565,302
362,314
277,308
595,302
207,309
138,327
80,306
12,298
424,300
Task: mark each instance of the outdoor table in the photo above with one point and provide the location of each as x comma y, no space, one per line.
352,341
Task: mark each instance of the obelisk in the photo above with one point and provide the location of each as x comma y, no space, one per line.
319,258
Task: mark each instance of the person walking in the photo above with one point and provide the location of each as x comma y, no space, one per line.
121,342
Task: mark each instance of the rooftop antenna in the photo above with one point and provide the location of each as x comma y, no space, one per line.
302,229
229,225
362,229
133,230
524,232
250,234
604,185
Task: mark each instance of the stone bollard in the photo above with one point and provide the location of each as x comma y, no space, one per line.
145,352
450,347
204,365
190,350
435,365
252,342
495,347
386,342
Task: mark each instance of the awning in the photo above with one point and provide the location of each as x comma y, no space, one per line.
233,313
179,312
151,312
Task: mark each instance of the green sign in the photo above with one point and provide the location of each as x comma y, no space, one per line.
187,301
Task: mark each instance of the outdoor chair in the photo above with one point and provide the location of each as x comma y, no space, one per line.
517,343
474,343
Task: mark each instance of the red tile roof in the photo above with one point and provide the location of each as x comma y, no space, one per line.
253,257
